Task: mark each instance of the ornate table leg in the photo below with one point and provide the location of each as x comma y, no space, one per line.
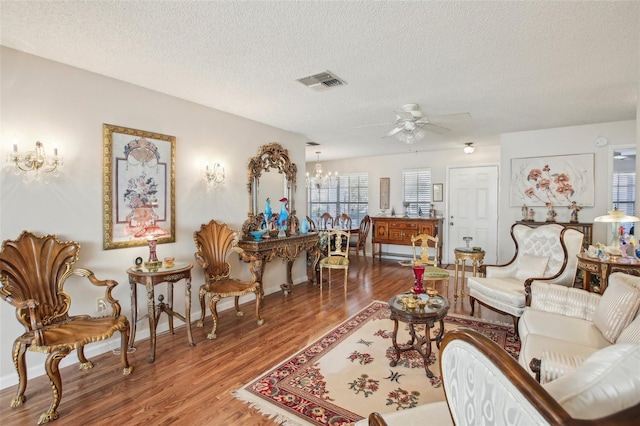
394,335
134,309
151,309
187,309
315,252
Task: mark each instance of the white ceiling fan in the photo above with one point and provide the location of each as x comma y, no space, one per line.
410,123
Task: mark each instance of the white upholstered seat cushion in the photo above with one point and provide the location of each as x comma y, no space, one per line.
535,344
561,327
607,382
505,294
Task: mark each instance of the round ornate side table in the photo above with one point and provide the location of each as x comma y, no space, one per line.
462,254
435,310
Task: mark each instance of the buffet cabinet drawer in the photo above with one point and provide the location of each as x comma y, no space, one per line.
398,231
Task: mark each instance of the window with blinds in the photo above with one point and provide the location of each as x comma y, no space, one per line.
624,194
416,191
351,196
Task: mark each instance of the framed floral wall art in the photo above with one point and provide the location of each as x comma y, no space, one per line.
559,180
138,187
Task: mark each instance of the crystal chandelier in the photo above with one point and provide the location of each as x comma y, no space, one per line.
320,180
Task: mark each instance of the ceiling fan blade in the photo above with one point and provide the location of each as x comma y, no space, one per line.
373,125
441,130
451,117
393,132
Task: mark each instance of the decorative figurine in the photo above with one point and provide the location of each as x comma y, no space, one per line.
283,217
267,213
406,209
574,212
525,213
532,215
551,213
393,212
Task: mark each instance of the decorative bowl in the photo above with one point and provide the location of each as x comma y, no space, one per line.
153,265
431,292
257,235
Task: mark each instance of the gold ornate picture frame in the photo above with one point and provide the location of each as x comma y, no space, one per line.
138,175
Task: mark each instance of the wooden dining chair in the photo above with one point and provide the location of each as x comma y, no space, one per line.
325,221
361,242
343,221
312,224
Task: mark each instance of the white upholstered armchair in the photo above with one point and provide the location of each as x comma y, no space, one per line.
546,253
484,385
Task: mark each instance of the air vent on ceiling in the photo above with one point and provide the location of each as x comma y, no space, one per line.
310,143
322,81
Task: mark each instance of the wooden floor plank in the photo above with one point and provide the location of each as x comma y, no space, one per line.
192,385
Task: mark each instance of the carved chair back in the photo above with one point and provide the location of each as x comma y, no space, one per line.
214,241
343,221
33,270
312,224
421,252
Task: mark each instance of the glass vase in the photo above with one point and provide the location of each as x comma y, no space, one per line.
418,272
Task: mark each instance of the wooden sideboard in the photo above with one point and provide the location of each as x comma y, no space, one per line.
399,230
585,228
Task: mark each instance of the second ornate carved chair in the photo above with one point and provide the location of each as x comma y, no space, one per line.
338,255
33,271
214,242
431,271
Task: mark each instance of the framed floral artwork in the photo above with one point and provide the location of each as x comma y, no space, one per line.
138,187
557,180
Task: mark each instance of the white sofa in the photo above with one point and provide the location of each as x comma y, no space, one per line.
563,326
483,385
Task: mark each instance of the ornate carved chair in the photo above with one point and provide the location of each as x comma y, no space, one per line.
33,271
343,221
483,384
214,241
363,233
325,221
431,271
338,255
546,253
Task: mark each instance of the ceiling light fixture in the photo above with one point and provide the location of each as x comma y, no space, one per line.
319,180
469,148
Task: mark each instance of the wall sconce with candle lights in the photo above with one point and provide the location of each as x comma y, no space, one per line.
214,175
35,161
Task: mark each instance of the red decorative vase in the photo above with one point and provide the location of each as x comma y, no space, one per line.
418,272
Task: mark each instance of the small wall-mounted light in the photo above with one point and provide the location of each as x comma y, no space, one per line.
35,161
214,175
469,148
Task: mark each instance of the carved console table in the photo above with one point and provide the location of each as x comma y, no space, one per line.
258,253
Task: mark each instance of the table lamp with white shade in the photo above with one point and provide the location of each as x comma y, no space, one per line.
615,218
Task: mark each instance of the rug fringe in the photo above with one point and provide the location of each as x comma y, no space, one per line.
274,414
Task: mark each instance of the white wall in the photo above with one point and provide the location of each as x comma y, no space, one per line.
51,102
560,141
391,166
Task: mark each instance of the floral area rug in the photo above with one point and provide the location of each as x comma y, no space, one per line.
345,375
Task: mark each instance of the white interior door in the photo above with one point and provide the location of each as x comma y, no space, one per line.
473,209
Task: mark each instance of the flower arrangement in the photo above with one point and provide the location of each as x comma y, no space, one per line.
141,191
549,187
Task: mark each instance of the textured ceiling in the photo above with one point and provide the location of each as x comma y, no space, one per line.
514,66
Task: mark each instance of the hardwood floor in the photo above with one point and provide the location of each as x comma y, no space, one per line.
193,386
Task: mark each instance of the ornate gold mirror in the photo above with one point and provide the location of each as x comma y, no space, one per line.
271,175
